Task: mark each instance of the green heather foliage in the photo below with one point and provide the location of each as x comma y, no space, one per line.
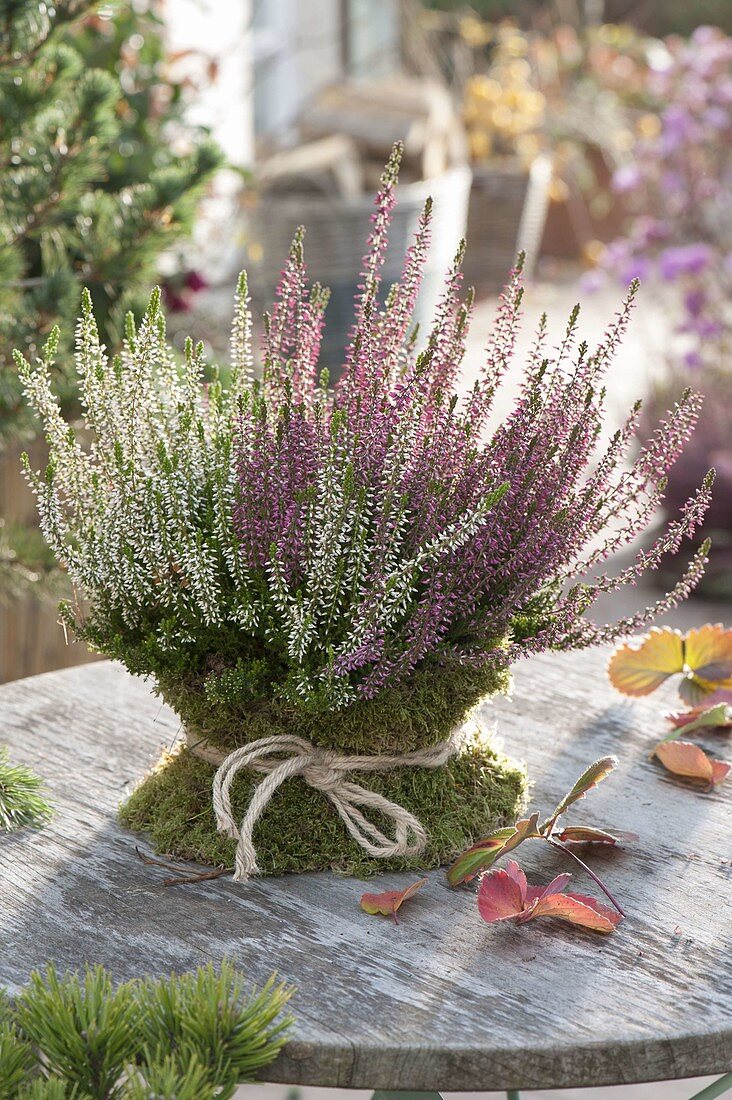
22,800
192,1036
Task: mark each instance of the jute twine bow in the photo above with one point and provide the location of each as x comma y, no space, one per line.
325,771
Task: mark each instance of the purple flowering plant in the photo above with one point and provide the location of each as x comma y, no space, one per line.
277,537
679,186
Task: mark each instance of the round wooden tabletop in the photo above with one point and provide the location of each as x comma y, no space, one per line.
441,1000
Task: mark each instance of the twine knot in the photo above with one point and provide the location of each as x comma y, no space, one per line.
285,755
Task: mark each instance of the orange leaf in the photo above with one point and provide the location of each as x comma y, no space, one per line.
720,771
689,761
388,902
639,667
579,909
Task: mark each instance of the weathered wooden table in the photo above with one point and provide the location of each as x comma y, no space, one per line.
442,1000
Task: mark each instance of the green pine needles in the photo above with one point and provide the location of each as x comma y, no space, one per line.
192,1036
22,800
75,207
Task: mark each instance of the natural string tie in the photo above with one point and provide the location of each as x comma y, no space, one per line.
282,756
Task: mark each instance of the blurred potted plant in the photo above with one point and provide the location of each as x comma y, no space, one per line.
679,187
595,81
353,125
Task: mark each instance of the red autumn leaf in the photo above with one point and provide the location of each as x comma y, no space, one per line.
388,902
715,712
585,834
579,909
504,894
687,760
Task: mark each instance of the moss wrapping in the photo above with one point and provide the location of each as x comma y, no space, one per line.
300,830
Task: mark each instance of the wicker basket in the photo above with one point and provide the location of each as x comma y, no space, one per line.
507,211
334,246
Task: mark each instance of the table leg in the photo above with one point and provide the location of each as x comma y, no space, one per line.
715,1089
388,1094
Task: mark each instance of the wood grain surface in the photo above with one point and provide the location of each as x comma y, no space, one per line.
440,1001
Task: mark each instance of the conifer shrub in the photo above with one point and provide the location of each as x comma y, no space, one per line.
192,1036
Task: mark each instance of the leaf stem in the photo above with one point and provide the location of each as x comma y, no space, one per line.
590,872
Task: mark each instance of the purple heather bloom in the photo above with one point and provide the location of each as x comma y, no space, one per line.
591,281
672,182
678,127
637,268
626,178
693,360
392,530
694,301
688,259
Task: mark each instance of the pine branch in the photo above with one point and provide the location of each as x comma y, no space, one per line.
22,801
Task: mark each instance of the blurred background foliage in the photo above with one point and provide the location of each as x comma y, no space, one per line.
657,17
100,174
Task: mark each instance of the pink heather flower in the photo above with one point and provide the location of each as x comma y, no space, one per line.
386,531
689,259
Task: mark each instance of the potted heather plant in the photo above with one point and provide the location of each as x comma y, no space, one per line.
324,583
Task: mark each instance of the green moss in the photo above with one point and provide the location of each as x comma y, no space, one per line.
412,715
300,829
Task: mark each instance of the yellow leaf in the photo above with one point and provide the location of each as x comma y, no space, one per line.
708,661
639,667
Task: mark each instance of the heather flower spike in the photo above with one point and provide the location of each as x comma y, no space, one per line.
280,554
